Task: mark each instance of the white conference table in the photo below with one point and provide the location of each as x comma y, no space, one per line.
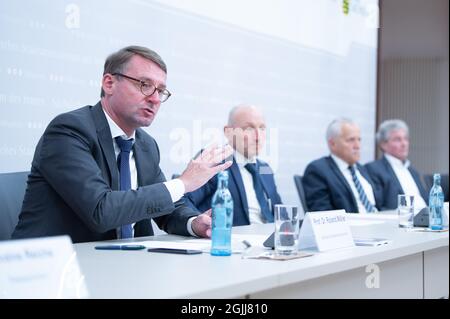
414,265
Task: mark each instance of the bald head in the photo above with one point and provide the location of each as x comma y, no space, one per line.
243,112
246,130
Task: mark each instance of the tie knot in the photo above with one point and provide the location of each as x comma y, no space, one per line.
251,167
352,169
124,145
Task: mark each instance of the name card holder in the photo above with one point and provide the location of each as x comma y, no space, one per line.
326,230
40,268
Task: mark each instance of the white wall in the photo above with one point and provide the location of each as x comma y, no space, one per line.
303,62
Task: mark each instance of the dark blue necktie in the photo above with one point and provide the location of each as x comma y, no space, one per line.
123,162
362,195
259,190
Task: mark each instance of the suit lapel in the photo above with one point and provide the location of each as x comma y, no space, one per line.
416,178
142,151
265,183
364,174
105,141
391,172
342,179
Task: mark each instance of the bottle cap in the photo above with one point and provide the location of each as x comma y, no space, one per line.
223,174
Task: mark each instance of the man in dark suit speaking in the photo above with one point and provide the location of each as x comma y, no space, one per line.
251,182
95,174
338,181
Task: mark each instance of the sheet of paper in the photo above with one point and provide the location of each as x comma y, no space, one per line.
362,222
373,216
236,239
271,255
175,244
204,244
423,229
374,242
254,240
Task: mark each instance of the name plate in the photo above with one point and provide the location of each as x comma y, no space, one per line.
325,230
40,268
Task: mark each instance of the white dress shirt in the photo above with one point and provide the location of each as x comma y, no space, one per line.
254,210
343,167
175,187
406,180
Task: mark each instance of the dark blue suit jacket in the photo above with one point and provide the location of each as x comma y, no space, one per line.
201,198
384,177
74,182
327,189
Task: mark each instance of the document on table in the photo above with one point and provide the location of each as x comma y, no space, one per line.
175,244
204,244
373,216
373,242
426,229
362,222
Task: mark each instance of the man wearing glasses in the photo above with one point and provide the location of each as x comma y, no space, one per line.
95,174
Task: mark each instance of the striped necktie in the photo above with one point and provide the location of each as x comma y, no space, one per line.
362,195
259,190
123,162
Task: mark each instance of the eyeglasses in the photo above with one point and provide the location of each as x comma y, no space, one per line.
149,89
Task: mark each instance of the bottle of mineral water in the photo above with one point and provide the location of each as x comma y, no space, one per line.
436,203
222,217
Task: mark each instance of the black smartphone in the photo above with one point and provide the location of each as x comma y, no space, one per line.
174,251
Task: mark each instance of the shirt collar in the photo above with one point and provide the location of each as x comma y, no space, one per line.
241,160
342,165
115,129
395,162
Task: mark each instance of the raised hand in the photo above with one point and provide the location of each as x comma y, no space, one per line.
205,166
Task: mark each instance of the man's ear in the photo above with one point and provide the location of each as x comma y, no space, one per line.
228,130
108,83
229,134
331,144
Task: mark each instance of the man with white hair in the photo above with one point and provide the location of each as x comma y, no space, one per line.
393,173
338,181
251,182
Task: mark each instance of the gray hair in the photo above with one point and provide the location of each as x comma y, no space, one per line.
117,61
334,128
236,109
385,129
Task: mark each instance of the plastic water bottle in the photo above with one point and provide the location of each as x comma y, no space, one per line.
222,218
436,203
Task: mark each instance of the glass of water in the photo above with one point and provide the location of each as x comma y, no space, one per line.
287,219
405,211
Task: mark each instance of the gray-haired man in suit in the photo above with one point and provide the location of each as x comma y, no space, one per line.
338,181
393,173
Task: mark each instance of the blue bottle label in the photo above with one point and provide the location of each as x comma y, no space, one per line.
221,232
